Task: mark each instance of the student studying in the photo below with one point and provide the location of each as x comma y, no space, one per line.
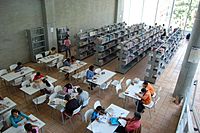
31,128
16,116
149,87
18,67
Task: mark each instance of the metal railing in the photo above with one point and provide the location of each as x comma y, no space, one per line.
186,123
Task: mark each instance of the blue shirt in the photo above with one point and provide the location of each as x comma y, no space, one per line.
15,120
89,74
94,115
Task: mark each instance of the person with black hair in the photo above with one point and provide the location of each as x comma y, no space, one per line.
47,87
132,124
73,60
18,67
67,62
145,96
52,51
97,112
89,75
31,128
16,116
164,34
82,95
149,87
67,44
68,88
71,104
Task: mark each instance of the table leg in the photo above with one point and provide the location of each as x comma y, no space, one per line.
62,116
42,130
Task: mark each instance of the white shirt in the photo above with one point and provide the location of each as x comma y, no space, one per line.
83,96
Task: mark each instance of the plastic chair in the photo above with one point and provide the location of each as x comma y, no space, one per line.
105,85
98,70
39,100
86,102
115,82
58,88
46,53
75,112
128,82
24,83
121,94
88,115
152,105
12,67
17,81
52,96
53,63
59,64
96,104
3,72
37,57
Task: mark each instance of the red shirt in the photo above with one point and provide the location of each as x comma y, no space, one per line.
37,77
67,42
132,125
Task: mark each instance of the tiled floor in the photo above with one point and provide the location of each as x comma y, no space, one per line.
164,119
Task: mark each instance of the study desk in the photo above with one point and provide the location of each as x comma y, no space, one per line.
106,127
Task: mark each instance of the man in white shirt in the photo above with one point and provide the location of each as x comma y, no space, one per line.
82,95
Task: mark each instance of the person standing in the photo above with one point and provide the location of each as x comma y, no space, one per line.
67,44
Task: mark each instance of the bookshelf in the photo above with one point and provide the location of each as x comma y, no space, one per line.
37,41
161,55
85,40
61,33
137,46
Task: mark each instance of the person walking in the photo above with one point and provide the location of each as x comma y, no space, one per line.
67,44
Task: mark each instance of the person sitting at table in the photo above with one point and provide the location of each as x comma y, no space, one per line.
16,116
38,77
31,128
82,96
18,67
73,60
52,51
68,88
132,124
145,96
149,87
47,87
97,112
66,62
71,104
89,76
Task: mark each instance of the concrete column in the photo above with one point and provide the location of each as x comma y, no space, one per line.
49,22
171,13
119,5
191,60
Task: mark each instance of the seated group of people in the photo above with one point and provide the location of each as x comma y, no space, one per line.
132,124
146,96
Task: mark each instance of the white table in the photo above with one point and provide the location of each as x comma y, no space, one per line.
9,104
31,90
100,127
14,75
50,58
73,67
131,90
20,129
102,77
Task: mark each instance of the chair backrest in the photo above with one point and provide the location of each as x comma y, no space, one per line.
96,104
88,114
26,82
3,71
41,99
108,83
86,102
98,70
118,87
59,64
38,56
52,96
121,80
28,76
46,53
60,59
18,81
128,82
58,88
77,110
12,67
